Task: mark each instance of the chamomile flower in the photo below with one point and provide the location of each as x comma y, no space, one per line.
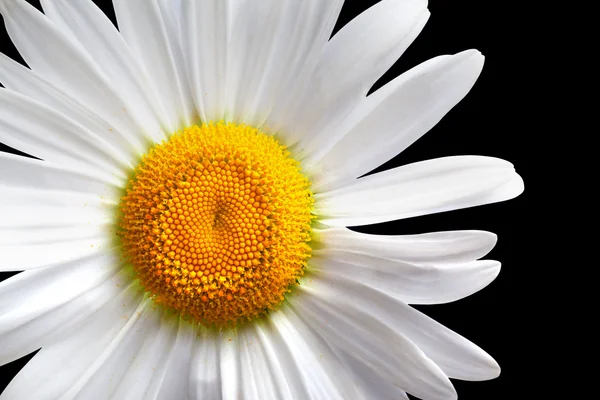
183,232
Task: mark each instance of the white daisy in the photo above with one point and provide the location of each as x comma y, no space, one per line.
174,249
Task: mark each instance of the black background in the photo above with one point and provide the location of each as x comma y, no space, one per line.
484,123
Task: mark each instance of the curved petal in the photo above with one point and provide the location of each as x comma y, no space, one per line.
119,322
320,370
61,60
147,365
284,369
163,355
426,187
393,117
371,385
60,316
40,131
426,248
359,54
392,355
31,294
411,283
176,366
259,378
455,355
143,27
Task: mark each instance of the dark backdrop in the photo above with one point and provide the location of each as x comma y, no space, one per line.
484,123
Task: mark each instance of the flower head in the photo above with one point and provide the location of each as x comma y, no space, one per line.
183,232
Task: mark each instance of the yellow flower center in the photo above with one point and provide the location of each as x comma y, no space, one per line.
215,222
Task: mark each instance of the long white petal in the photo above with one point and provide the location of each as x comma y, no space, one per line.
85,352
148,365
176,366
426,187
426,248
32,215
143,27
279,43
310,25
86,24
55,323
392,118
411,283
259,378
42,132
20,79
31,294
98,379
284,368
156,371
352,61
320,370
391,356
205,32
455,355
61,60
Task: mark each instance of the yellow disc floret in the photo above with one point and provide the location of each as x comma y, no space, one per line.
216,222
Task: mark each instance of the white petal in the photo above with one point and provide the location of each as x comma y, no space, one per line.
351,63
60,316
22,80
455,355
86,24
20,172
176,367
271,44
392,118
229,362
391,355
30,294
426,187
98,379
205,31
35,129
60,59
147,365
311,23
285,371
371,385
217,34
436,247
157,370
411,283
143,28
45,213
205,373
319,369
83,353
259,377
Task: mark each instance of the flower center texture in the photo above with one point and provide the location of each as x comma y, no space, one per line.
216,222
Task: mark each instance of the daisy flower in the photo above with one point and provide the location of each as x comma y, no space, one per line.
183,232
